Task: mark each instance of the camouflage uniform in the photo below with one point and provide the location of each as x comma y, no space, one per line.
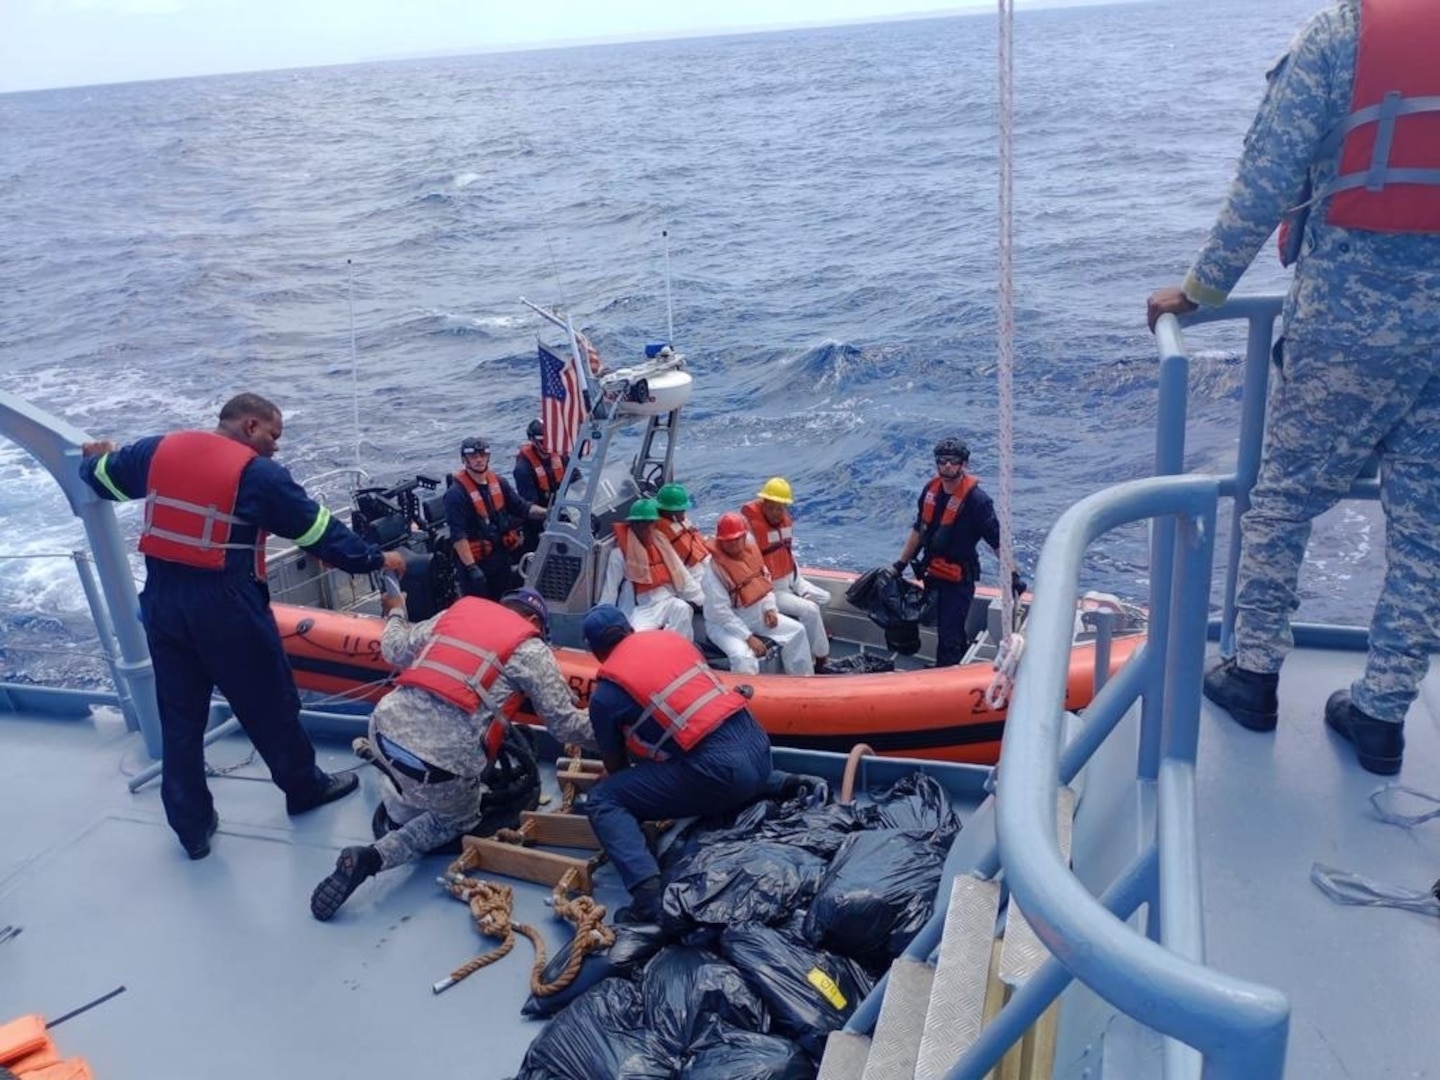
430,815
1360,372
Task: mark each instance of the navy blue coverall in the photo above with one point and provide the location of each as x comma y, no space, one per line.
209,629
728,768
465,524
958,543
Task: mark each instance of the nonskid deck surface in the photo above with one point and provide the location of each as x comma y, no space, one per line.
1361,980
226,973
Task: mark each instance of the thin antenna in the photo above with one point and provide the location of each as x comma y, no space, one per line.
669,308
354,354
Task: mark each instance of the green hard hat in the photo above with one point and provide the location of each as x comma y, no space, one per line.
673,497
643,510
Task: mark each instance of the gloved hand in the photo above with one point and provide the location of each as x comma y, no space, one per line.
899,567
475,577
1018,584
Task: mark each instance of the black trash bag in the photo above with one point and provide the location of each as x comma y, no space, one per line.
601,1033
860,664
809,991
682,988
726,1053
914,803
742,881
876,895
635,943
895,604
818,828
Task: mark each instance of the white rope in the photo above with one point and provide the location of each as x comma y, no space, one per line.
1005,304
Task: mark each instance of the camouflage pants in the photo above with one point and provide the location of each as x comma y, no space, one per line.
428,816
1329,410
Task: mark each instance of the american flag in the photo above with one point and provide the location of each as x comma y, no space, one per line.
562,406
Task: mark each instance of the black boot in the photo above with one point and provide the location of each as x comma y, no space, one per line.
644,903
1248,696
198,849
354,865
334,786
1379,746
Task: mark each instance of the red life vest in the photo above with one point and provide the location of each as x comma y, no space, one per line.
685,539
776,541
191,489
512,539
659,572
461,662
682,699
1388,179
548,468
937,566
745,577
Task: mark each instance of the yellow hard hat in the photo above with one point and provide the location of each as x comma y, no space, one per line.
777,489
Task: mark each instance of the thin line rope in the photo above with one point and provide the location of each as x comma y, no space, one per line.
1006,313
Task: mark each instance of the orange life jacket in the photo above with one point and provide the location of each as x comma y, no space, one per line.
191,489
460,664
682,699
776,541
548,468
685,538
745,577
512,539
659,571
1389,146
937,566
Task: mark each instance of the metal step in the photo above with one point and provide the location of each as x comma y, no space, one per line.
957,1002
845,1056
896,1044
1023,952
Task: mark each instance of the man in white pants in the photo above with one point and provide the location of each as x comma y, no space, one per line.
768,516
740,604
645,578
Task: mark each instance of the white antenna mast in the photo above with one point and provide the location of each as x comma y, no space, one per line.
669,308
354,355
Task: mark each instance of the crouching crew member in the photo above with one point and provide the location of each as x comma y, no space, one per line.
769,517
740,604
645,577
953,515
467,670
675,743
486,522
210,498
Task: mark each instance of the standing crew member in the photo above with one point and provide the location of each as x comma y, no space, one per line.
485,519
769,517
674,741
952,516
645,577
538,474
740,604
1346,149
467,671
210,499
672,501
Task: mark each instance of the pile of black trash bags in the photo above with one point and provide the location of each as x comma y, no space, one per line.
777,922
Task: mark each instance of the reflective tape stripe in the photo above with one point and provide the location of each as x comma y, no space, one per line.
103,475
317,530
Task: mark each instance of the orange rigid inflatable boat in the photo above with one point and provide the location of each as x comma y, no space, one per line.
937,713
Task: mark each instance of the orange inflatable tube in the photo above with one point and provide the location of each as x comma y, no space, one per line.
935,713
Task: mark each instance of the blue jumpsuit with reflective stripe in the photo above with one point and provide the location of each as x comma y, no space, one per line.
1360,372
209,629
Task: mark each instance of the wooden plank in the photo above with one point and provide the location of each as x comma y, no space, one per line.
558,830
527,864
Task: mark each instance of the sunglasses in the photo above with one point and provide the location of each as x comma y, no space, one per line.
949,461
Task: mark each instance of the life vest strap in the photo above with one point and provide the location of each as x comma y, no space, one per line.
210,514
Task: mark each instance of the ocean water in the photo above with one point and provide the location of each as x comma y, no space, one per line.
830,203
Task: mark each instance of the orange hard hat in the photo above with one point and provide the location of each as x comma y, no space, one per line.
731,526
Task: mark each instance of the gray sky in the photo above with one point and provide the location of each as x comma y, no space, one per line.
47,43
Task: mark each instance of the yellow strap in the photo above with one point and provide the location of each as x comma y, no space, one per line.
312,535
104,477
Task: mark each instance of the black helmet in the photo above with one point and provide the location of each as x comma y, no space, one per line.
952,447
536,430
476,444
